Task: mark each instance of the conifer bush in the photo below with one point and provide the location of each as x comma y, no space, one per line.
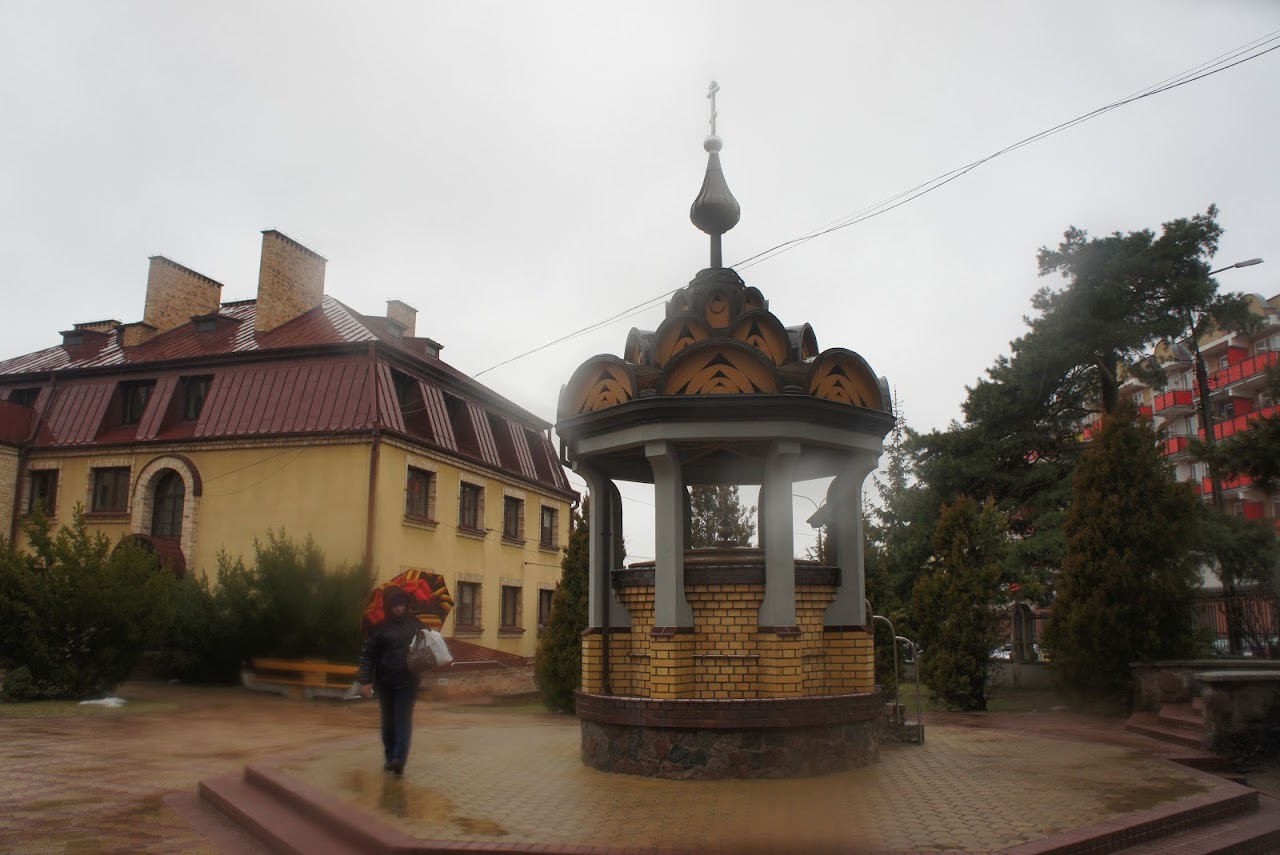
1125,590
958,605
558,666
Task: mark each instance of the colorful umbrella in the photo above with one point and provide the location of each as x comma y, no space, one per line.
429,599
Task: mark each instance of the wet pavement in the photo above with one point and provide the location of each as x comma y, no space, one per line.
124,780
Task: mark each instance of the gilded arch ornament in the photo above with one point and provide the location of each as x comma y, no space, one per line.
675,334
844,377
765,333
599,383
721,367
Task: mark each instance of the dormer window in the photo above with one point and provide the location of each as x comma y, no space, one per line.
194,392
206,324
134,395
24,397
72,339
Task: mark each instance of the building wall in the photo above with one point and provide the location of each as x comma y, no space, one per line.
320,489
8,486
485,558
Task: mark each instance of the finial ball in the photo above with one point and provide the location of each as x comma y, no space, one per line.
712,144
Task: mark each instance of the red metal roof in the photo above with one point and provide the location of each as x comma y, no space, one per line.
297,387
467,654
15,423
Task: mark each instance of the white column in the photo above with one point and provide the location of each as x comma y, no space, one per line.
618,614
600,544
779,605
849,606
670,608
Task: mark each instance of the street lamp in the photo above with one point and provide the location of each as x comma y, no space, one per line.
1249,263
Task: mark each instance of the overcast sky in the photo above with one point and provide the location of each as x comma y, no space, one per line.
517,171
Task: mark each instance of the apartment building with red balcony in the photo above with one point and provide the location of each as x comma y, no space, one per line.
1237,364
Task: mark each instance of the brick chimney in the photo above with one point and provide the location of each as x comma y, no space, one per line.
403,314
175,293
290,281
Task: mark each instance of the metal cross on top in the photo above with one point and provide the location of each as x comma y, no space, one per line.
711,94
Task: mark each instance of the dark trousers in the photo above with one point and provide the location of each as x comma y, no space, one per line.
397,720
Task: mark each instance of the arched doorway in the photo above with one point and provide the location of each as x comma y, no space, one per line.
166,508
167,553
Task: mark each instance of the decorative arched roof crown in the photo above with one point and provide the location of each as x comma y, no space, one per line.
719,337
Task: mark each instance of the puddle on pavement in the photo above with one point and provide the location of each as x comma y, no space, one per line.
1138,797
403,799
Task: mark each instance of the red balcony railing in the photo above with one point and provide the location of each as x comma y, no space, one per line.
1242,480
1243,370
1176,445
1239,424
1177,399
1253,510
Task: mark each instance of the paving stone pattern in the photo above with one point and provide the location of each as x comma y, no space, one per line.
516,777
124,781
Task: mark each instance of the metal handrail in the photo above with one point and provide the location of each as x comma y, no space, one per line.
915,655
893,634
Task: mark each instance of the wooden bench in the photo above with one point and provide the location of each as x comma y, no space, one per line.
300,678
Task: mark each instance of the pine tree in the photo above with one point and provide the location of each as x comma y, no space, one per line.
1125,590
558,667
958,605
715,507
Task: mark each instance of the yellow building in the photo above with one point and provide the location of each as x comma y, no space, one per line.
206,424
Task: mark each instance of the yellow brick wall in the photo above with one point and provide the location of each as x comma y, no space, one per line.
850,661
671,666
290,281
629,652
8,487
591,659
726,661
811,603
727,656
175,294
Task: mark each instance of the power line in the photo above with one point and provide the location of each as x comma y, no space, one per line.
1220,63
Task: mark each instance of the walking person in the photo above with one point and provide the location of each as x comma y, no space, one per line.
384,663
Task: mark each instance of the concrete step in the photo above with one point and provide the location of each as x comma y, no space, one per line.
1148,724
1181,715
1157,828
270,820
1254,833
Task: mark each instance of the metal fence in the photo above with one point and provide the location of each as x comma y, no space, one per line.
1258,618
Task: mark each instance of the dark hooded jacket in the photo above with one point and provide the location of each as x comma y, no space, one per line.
383,658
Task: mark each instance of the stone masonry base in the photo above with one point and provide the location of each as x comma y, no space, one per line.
691,739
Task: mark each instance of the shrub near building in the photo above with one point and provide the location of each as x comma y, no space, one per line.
76,613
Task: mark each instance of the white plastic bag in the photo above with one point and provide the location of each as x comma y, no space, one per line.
435,641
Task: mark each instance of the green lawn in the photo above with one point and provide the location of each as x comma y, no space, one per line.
71,709
1005,700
